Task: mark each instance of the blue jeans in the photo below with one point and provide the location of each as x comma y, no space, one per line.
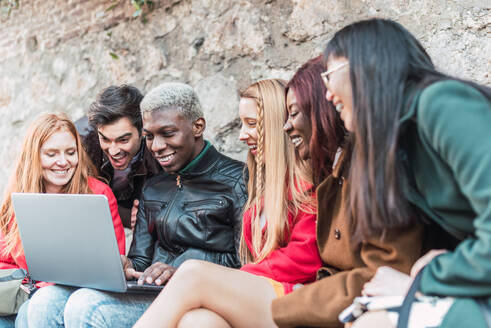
10,320
60,306
7,321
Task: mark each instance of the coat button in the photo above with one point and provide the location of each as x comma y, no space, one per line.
337,233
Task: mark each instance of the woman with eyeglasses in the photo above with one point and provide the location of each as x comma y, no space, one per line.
421,143
316,129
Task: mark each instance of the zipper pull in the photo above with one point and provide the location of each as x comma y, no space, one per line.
178,182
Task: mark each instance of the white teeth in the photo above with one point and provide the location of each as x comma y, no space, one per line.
60,171
297,141
166,158
252,146
117,157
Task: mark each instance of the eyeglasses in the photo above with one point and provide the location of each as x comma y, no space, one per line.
325,75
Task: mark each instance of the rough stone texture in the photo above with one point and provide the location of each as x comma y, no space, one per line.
56,55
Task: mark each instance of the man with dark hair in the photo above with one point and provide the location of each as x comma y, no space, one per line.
112,136
191,210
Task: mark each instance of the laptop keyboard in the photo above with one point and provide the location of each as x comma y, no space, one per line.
133,286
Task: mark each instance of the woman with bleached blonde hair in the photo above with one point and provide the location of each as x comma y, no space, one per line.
278,246
51,160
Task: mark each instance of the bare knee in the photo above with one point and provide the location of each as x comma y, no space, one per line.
192,319
193,273
202,318
191,266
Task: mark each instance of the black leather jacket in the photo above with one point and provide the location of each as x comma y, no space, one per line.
143,168
191,215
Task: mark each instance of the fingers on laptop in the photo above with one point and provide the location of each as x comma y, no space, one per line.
165,276
158,273
132,274
128,269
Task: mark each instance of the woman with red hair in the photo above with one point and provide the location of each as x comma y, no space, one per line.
51,160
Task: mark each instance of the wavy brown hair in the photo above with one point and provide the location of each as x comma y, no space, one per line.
27,174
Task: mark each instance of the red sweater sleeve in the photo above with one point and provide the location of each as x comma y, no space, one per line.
9,262
6,261
16,258
299,260
101,188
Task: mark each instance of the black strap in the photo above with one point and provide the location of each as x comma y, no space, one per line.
16,275
405,308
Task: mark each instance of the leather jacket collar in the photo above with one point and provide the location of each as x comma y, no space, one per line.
207,160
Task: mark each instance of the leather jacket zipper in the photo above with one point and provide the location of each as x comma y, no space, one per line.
164,220
200,203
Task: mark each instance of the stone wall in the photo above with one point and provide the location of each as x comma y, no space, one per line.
56,55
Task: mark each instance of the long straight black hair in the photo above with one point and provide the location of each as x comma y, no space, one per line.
386,62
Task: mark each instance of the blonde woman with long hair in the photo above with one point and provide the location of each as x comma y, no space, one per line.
51,160
277,244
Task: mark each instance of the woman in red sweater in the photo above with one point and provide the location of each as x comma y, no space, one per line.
51,160
278,246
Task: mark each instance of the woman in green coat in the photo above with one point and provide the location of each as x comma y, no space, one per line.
422,140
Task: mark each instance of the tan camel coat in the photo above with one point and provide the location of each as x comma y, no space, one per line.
346,269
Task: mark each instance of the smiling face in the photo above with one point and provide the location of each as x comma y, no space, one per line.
248,118
59,159
172,138
298,126
120,141
339,89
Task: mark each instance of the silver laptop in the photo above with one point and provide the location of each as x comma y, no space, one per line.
69,239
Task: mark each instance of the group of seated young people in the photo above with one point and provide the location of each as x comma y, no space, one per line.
367,174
